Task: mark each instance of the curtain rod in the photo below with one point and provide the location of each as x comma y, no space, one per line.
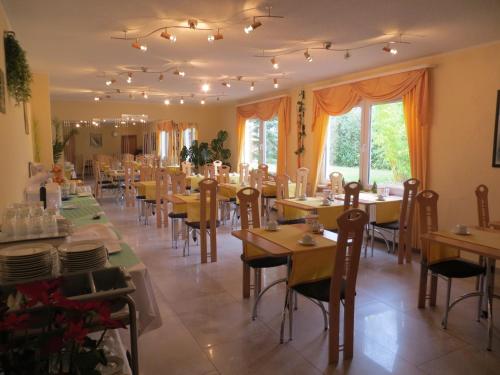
263,100
417,67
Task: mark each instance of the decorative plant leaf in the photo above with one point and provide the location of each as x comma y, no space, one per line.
17,70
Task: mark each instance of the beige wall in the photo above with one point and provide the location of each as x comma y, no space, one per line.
210,118
41,117
464,88
15,144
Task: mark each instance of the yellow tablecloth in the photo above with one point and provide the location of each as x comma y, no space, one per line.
194,181
269,189
327,215
146,188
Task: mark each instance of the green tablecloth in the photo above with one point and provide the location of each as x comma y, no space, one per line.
87,207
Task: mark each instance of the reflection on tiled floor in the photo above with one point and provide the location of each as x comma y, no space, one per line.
207,327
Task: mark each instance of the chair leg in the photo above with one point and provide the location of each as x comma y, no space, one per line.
447,309
257,281
372,238
246,280
348,327
433,291
394,241
290,314
283,317
480,302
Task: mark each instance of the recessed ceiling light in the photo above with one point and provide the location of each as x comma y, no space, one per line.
275,63
77,125
166,101
181,101
96,98
205,87
202,101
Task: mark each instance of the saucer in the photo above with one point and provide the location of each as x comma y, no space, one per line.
312,243
468,233
272,229
302,198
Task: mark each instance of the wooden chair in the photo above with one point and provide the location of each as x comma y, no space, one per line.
207,221
161,204
282,192
254,258
101,182
217,165
336,182
301,182
483,212
128,183
443,261
265,171
224,174
351,195
178,187
244,173
186,167
127,158
385,219
340,287
256,180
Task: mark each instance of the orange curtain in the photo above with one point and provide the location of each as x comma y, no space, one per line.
413,86
265,110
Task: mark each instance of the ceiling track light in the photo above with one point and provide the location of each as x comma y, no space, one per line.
392,50
275,81
180,73
166,102
347,54
205,87
160,77
202,101
129,78
97,98
226,84
166,35
214,37
139,46
248,29
308,56
181,101
252,86
192,23
275,63
109,82
144,95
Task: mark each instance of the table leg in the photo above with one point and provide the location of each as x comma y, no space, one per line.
422,287
433,291
490,277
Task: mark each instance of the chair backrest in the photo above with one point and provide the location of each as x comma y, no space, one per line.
146,173
336,179
224,174
406,219
217,164
351,225
162,187
208,196
178,183
256,179
483,212
140,159
282,181
301,181
265,171
129,169
244,173
249,207
186,167
351,195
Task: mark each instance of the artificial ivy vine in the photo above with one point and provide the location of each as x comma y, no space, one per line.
301,125
17,69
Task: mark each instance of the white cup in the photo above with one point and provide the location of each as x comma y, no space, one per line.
307,239
461,229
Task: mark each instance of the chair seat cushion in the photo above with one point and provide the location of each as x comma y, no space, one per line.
232,200
151,201
291,221
109,186
394,225
457,268
319,290
196,224
178,215
266,262
140,197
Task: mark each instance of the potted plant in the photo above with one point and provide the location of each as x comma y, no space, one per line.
17,69
60,142
218,150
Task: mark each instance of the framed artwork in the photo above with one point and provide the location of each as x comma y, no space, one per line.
95,140
496,142
2,92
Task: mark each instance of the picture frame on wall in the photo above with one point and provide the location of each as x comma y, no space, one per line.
496,142
2,92
95,140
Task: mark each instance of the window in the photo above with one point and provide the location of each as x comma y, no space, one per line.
188,137
261,143
163,145
370,144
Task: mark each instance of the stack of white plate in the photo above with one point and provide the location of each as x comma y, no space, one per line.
82,256
25,262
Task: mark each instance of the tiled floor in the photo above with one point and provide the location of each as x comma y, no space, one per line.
207,327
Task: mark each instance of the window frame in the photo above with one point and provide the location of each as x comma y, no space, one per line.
365,141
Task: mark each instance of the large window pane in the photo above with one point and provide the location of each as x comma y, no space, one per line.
252,142
271,143
343,145
163,145
389,156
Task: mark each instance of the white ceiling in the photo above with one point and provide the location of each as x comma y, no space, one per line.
71,40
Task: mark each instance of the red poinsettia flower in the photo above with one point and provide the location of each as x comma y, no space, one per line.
14,321
39,292
83,306
75,332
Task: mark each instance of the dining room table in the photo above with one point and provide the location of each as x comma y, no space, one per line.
484,242
306,263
